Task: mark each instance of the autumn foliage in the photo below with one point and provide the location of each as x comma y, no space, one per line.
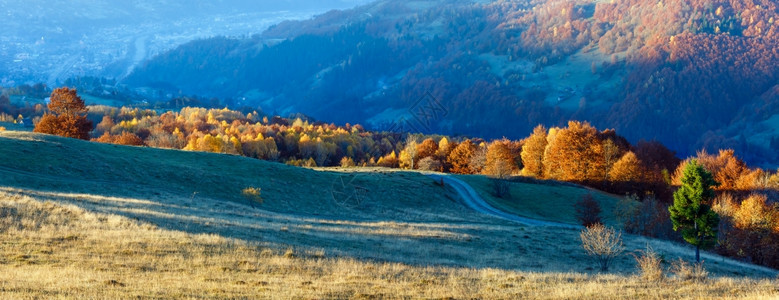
66,116
588,211
577,153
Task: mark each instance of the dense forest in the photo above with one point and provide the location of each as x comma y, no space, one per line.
666,70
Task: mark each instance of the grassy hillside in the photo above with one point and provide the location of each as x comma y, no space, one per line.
92,219
544,200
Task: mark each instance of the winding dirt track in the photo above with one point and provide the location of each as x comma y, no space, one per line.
471,199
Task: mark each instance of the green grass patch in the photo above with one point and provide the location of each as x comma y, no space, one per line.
51,163
546,201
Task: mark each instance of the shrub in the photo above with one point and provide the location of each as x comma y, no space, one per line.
689,272
430,164
129,139
603,243
347,162
588,211
253,194
650,265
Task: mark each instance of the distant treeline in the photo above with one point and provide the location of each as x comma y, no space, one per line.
577,153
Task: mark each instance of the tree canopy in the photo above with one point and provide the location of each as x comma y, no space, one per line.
66,117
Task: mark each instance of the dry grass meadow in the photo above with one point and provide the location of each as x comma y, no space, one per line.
83,220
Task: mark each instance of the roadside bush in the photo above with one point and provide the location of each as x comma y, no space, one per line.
602,243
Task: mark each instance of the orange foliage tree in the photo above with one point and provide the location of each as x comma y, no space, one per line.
533,152
756,232
427,148
500,160
66,117
575,154
460,157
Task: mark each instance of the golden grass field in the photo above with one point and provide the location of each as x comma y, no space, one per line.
84,220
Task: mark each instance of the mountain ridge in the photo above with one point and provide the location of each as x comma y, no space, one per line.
689,75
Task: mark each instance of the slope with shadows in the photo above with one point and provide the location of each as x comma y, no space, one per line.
399,216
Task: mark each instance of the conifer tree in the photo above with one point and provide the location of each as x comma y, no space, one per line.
691,212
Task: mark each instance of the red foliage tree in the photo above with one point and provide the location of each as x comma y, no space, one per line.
67,116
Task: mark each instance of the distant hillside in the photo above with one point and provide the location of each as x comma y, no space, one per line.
699,74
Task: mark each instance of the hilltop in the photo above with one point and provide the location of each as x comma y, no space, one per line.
115,219
693,75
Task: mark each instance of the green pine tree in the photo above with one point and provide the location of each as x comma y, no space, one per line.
691,213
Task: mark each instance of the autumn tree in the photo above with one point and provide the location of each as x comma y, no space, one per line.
444,149
129,139
657,157
105,125
691,212
756,232
388,161
627,169
479,158
409,154
500,161
429,164
460,158
533,152
427,148
575,154
588,211
611,153
66,116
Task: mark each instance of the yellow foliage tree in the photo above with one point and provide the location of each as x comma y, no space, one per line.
533,152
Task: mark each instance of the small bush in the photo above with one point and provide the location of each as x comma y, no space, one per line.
588,211
603,243
429,164
650,265
689,272
347,162
129,139
253,194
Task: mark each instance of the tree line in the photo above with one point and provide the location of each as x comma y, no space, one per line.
649,173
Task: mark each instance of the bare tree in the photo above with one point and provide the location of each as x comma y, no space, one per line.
603,243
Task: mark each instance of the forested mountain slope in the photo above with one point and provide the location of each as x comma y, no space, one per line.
692,74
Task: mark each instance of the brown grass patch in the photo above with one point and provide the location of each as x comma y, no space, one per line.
106,256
